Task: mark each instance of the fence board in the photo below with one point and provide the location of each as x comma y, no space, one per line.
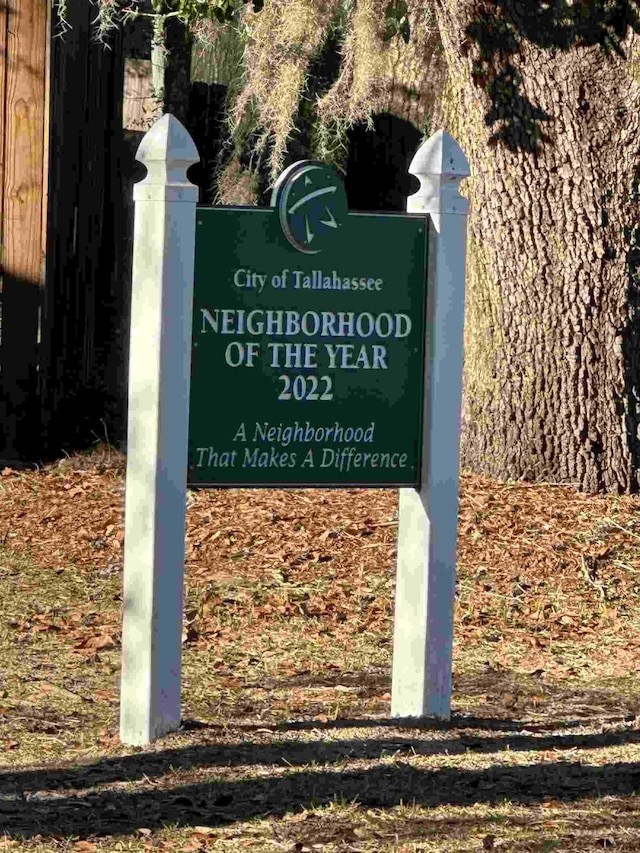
24,140
4,20
22,236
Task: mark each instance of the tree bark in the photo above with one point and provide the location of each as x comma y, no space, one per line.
545,101
170,67
158,65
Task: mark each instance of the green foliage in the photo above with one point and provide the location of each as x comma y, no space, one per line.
397,21
112,13
222,11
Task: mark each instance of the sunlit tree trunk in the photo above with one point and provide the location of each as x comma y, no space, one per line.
546,106
158,62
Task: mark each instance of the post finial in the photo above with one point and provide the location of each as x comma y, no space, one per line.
440,165
167,150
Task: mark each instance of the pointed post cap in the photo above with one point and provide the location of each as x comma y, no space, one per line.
440,155
440,165
167,150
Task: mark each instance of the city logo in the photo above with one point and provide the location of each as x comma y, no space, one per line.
311,205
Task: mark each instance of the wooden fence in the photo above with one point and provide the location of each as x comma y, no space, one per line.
23,130
63,328
85,304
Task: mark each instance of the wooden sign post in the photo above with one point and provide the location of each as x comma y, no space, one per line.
343,359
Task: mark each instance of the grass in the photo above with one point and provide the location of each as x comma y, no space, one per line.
287,743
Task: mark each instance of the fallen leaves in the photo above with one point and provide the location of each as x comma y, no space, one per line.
546,565
93,644
85,846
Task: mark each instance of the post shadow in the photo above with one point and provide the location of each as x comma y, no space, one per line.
296,754
217,802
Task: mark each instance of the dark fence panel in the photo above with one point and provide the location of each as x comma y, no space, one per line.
19,403
205,121
83,364
85,311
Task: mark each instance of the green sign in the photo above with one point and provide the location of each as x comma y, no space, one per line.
308,341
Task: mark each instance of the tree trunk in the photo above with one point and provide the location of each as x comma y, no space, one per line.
545,101
170,66
158,65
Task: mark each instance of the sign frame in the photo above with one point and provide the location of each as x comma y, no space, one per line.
249,263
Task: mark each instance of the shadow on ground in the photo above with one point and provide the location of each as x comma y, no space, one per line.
61,800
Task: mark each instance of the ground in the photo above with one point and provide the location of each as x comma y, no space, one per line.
287,743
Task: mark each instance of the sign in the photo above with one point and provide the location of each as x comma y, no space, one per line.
308,341
309,366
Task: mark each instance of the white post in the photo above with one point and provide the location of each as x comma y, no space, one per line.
159,379
428,518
